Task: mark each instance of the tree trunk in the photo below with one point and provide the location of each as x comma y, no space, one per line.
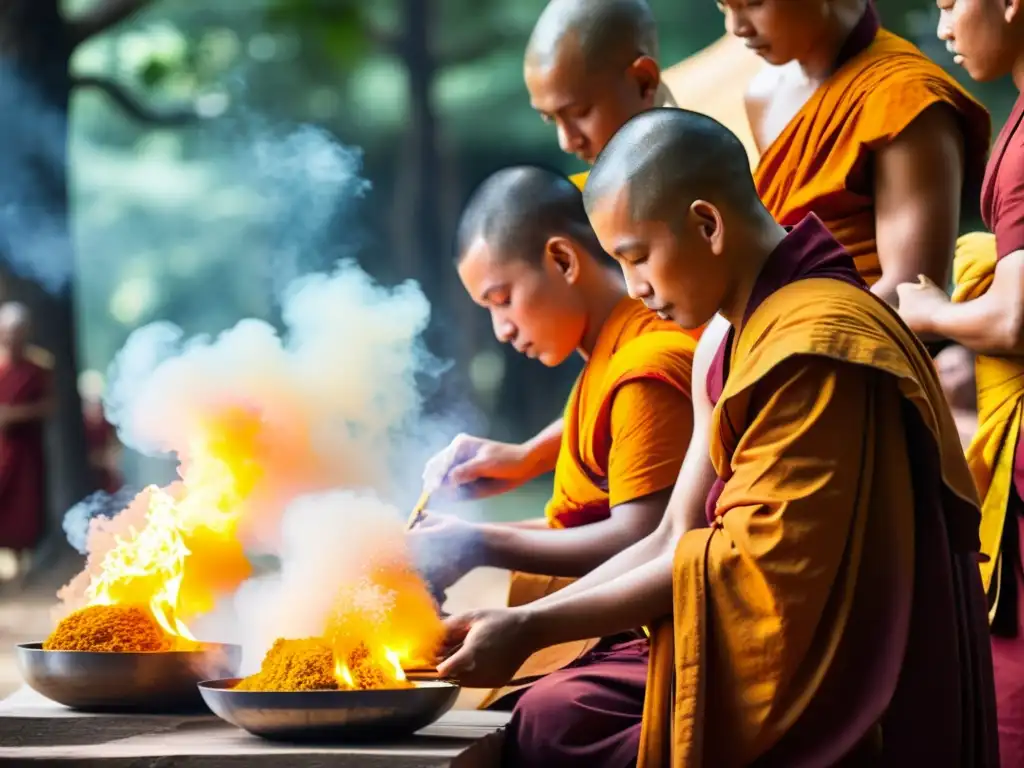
37,265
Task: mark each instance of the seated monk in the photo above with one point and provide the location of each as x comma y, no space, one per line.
26,401
985,316
856,125
826,607
527,254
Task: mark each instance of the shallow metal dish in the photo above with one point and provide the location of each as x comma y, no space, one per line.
331,716
126,682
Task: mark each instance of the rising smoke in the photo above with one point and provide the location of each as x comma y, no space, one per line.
322,418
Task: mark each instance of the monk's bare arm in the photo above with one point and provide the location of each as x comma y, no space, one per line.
918,186
994,322
542,449
571,551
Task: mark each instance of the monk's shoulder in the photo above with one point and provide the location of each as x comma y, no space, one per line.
834,320
659,354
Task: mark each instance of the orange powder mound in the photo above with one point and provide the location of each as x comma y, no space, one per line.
308,665
109,628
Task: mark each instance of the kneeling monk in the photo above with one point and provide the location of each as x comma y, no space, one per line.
828,609
527,254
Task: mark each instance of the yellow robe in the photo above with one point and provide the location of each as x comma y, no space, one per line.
1000,383
783,604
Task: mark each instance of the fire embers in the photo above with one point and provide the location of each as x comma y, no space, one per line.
310,665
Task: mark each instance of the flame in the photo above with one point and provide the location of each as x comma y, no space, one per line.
344,674
395,660
193,523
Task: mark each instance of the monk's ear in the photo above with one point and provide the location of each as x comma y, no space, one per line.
708,221
563,253
1013,9
647,75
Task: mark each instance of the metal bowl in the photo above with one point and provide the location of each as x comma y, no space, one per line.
331,716
126,682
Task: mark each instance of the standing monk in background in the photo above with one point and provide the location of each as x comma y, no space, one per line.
986,315
590,66
527,254
825,599
858,126
25,403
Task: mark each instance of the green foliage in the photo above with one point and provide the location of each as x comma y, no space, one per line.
338,26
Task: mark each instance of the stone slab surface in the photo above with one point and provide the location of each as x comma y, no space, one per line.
35,731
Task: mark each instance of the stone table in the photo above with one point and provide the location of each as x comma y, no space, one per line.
35,731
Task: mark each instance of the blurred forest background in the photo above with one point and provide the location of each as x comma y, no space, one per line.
188,180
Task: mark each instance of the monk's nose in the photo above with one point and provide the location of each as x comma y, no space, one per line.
568,141
945,30
504,331
737,24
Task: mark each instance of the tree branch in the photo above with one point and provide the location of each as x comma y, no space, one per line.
101,17
133,106
479,47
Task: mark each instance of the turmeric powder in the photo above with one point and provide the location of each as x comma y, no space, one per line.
109,628
309,665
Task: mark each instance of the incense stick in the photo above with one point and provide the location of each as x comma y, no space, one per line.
417,511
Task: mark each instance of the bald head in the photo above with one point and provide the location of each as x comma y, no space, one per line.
14,326
517,210
603,32
667,158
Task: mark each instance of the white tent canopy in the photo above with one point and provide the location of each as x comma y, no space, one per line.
713,81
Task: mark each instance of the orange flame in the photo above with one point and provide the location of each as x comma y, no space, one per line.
194,522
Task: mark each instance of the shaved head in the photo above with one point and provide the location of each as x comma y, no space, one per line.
605,32
14,326
517,210
665,159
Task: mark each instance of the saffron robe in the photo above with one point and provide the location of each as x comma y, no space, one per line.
820,162
832,613
995,456
618,444
22,457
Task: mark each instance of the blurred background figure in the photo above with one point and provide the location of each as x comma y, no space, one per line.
25,403
100,435
955,365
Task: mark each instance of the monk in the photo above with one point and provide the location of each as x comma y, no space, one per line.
826,607
591,65
987,39
26,401
858,126
527,254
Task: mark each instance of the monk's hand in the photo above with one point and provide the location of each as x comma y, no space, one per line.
445,548
473,468
918,303
483,649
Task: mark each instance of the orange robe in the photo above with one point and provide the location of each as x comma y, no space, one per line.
820,162
620,443
832,610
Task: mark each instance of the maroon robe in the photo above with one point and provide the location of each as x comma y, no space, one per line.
948,599
22,459
1002,206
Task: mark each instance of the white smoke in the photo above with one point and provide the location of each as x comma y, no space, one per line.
336,396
